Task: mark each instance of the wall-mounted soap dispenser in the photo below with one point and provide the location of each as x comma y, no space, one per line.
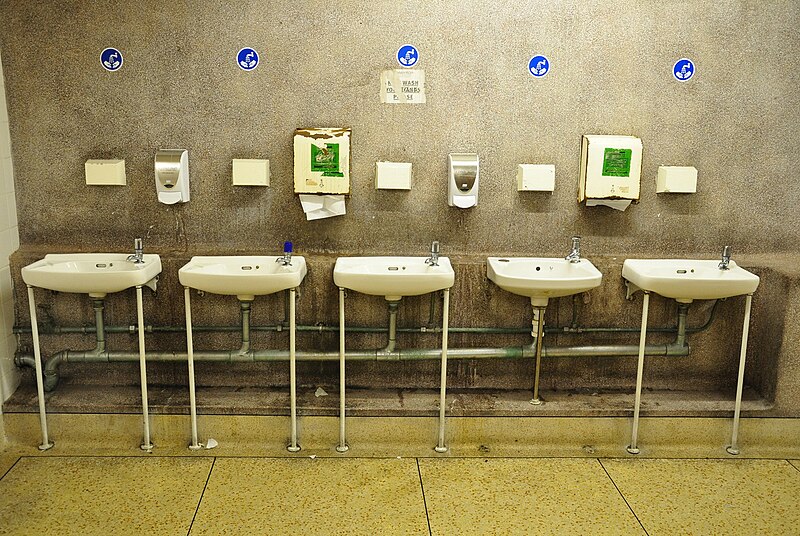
464,173
172,175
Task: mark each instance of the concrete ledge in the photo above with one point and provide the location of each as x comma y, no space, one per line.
664,437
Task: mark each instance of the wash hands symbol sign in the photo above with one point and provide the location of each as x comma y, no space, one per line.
247,58
111,59
407,56
683,69
538,66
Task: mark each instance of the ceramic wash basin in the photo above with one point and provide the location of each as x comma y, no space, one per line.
392,277
542,278
686,280
242,276
95,274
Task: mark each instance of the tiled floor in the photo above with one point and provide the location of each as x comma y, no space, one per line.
443,496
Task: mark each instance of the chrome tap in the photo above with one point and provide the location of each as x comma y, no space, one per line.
433,260
726,258
286,260
575,254
138,256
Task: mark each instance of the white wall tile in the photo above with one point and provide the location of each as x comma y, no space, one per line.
14,238
5,216
5,140
7,309
11,209
5,284
6,175
5,246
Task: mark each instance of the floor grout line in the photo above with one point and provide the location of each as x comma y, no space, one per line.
623,496
17,461
793,465
424,500
213,462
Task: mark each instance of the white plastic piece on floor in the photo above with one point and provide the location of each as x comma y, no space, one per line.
313,456
211,443
320,392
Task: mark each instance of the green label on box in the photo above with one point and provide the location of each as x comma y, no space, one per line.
326,160
617,162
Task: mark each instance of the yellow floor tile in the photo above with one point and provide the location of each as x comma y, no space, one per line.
523,496
6,462
52,495
710,496
312,496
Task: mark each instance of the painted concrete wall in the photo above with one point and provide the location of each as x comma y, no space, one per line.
736,121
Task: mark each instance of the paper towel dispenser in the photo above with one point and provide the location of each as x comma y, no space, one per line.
464,177
172,175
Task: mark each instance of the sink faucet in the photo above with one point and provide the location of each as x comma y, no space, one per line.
726,258
575,253
138,256
286,260
433,260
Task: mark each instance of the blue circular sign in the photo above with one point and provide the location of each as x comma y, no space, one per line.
539,66
407,55
683,70
111,59
247,59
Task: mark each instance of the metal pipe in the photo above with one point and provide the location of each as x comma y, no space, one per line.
733,448
440,446
244,307
293,446
633,448
321,328
392,342
99,325
342,446
146,443
187,304
683,309
539,314
46,443
410,354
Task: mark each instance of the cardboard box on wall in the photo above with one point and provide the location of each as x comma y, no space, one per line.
322,161
611,167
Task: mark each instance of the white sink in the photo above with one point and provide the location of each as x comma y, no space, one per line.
95,274
242,276
542,278
687,280
392,277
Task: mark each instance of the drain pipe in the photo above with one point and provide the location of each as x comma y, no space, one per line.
244,306
391,344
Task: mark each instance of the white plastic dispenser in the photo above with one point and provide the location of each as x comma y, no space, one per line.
250,172
105,172
464,177
172,175
676,180
392,175
536,177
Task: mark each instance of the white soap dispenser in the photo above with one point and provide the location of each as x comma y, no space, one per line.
464,173
172,175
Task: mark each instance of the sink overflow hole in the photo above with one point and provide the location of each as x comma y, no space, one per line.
100,265
247,267
681,271
393,268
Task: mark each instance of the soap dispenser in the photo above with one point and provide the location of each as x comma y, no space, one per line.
172,175
464,175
